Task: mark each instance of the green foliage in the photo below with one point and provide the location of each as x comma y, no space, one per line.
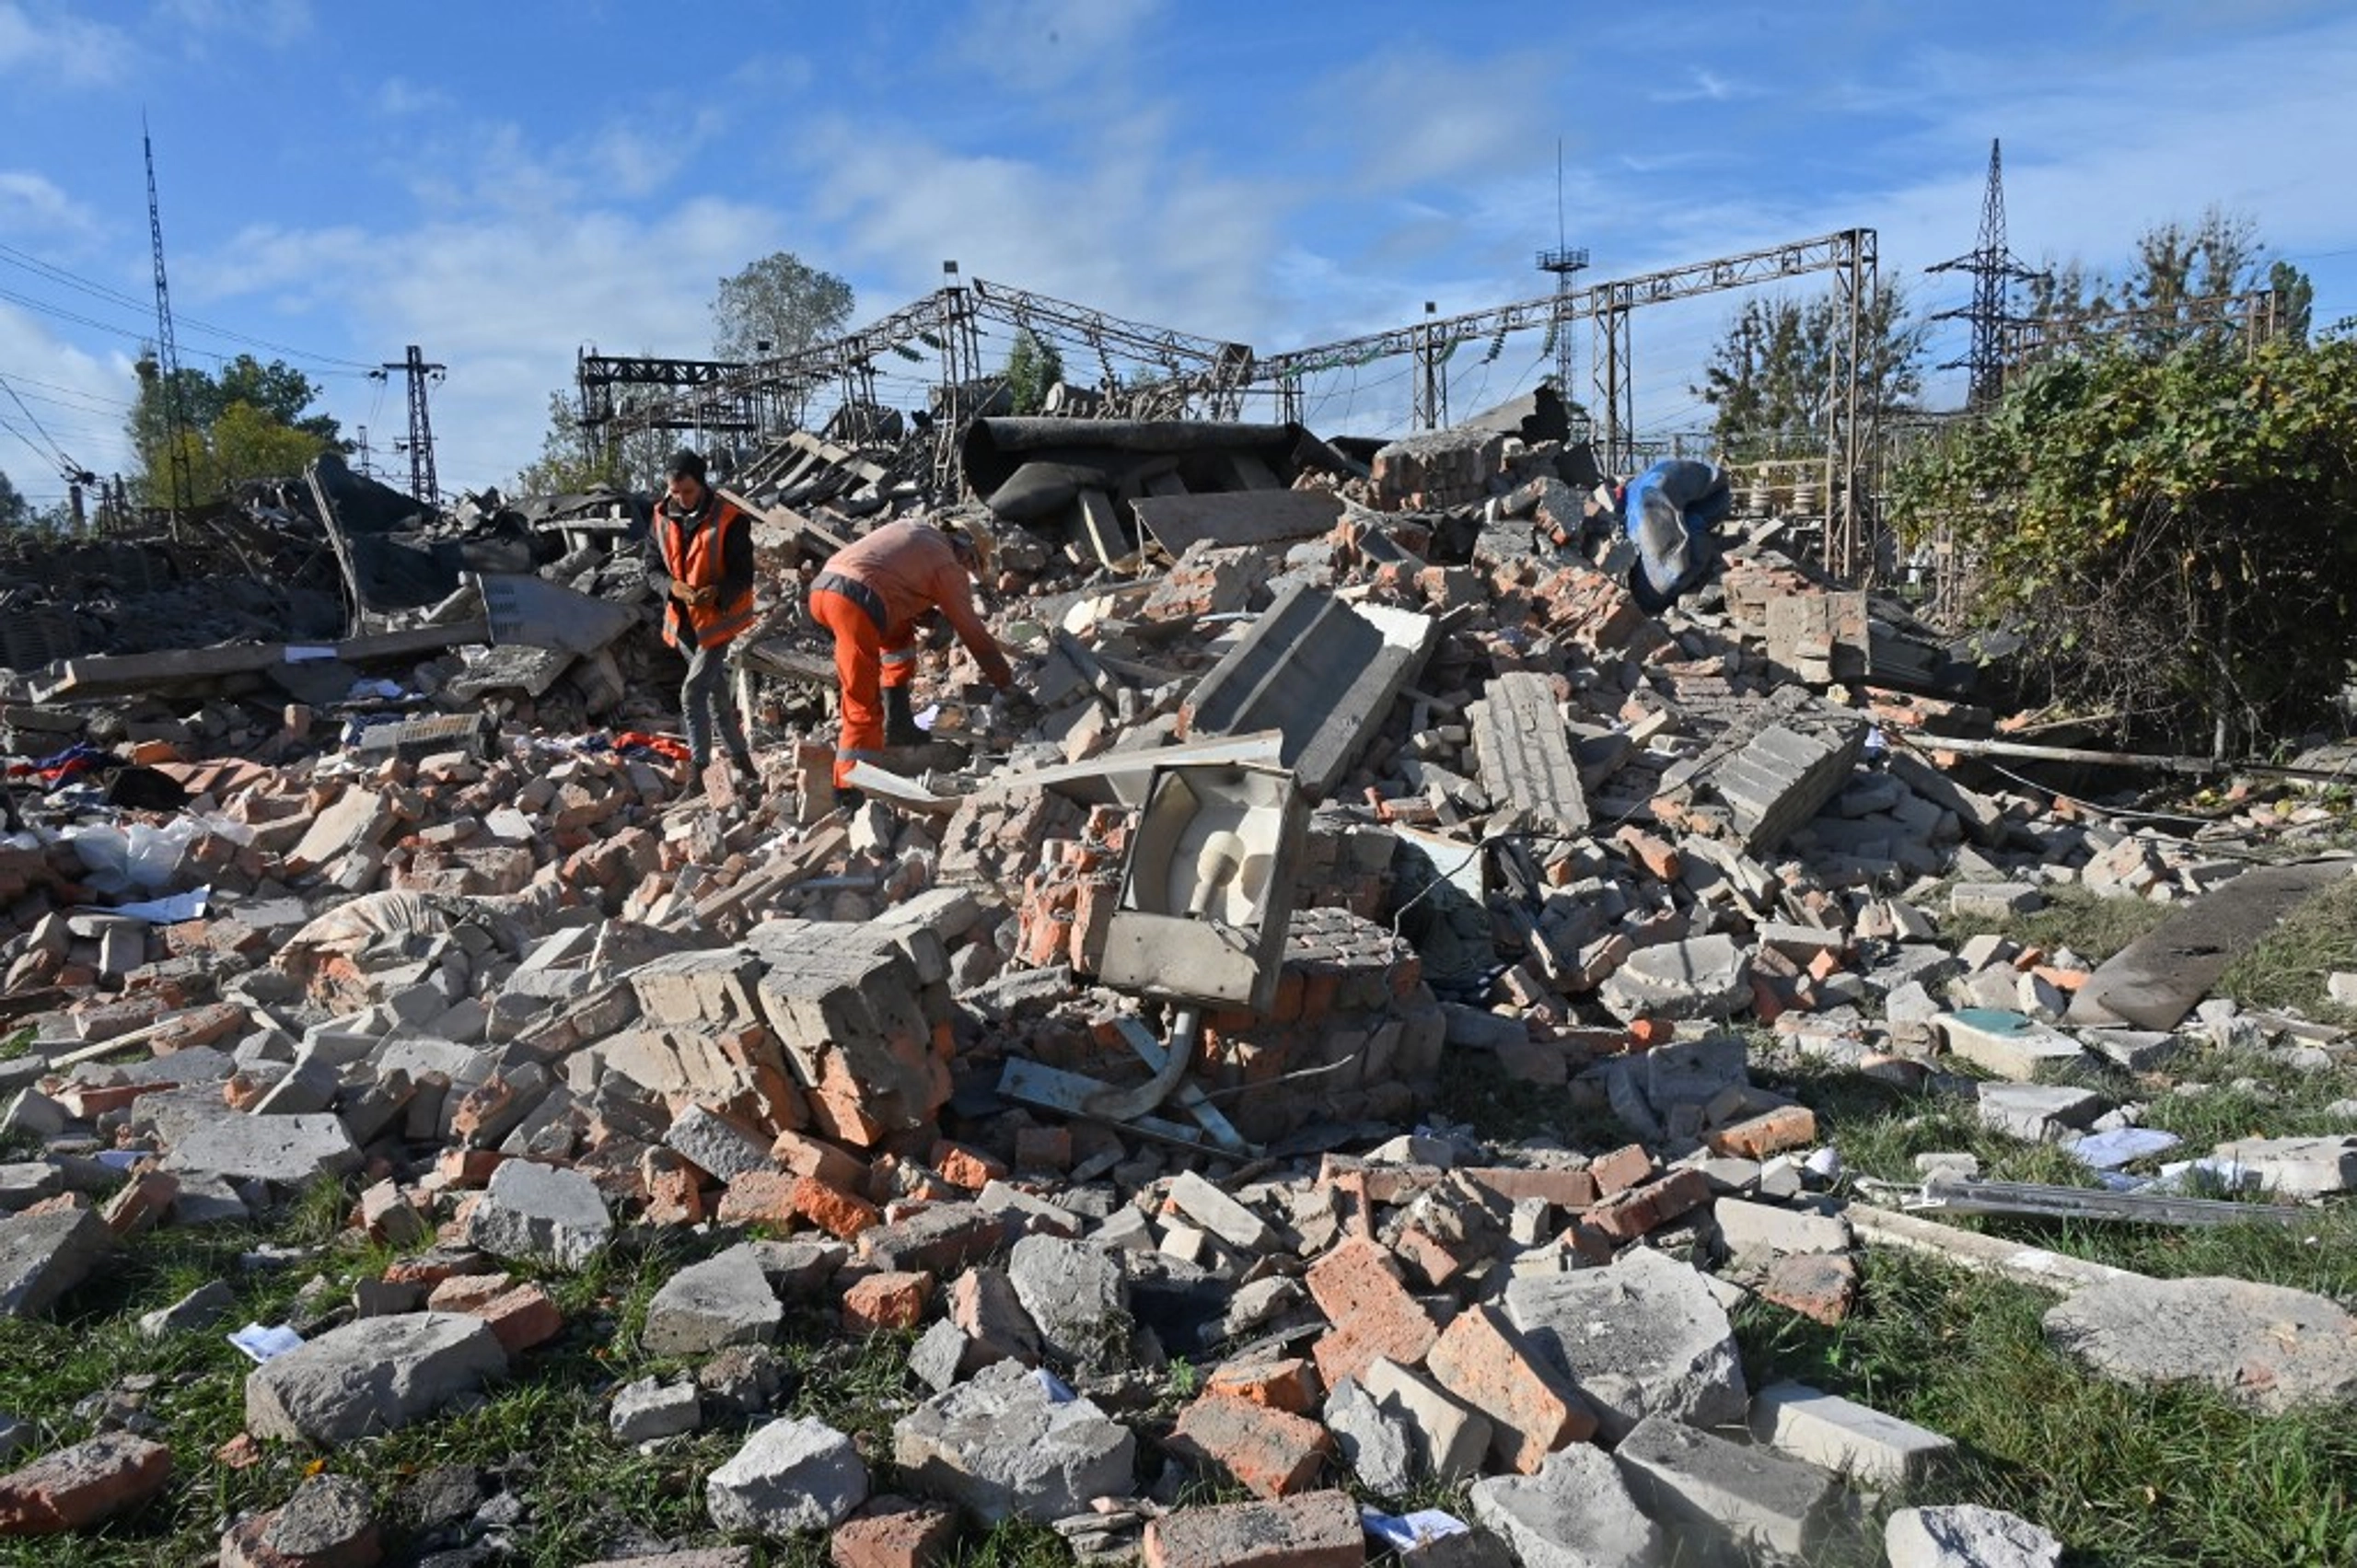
2295,300
245,424
2293,964
14,510
1770,377
1033,365
2168,534
569,462
2091,925
780,301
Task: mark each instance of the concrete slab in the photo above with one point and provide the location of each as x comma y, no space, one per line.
1525,754
2154,981
1840,1435
1693,1481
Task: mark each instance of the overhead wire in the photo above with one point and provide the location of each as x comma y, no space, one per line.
116,296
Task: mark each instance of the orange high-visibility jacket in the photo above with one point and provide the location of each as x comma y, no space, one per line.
711,547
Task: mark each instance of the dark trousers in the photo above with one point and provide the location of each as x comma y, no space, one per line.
704,696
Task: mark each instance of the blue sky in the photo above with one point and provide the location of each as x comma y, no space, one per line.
504,183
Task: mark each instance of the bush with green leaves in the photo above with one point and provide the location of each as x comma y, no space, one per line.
2174,537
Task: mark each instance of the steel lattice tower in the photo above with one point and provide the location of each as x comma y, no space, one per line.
421,483
1993,268
183,484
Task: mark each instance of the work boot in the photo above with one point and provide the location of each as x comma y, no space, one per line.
743,763
900,719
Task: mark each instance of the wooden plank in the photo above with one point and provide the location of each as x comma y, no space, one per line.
1236,517
109,675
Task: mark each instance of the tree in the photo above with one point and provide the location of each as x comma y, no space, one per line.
249,422
1033,365
570,461
2295,300
14,510
2167,533
2177,265
779,305
1770,377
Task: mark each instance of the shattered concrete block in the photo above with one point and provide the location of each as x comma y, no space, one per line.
793,1474
1525,755
849,1011
1316,1529
1222,1215
718,1144
42,1256
650,1408
550,1213
1012,1443
2296,1168
1377,1444
1575,1512
1074,1292
1704,977
713,987
1448,1437
2008,1044
1966,1535
288,1152
1689,1478
1645,1336
1847,1438
2036,1113
330,1519
373,1375
1767,1229
724,1300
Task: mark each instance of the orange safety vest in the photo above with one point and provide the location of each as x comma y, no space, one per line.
694,557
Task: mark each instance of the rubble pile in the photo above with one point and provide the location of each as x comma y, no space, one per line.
1136,1135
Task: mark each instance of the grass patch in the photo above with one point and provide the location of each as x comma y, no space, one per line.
2126,1478
2289,968
1477,1092
19,1042
2093,926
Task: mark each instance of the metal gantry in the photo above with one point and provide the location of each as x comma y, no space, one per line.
2249,317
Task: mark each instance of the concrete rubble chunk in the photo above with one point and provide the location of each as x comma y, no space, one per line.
288,1152
1377,1444
1576,1512
1449,1438
200,1308
795,1474
1644,1336
77,1487
1013,1443
1704,977
1751,1229
1967,1536
2297,1168
1075,1295
650,1408
330,1522
2268,1348
2039,1113
1845,1437
548,1213
724,1300
1225,1217
44,1256
1525,755
1696,1482
2007,1043
373,1375
1316,1529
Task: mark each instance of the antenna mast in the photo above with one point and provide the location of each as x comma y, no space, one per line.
1562,262
183,486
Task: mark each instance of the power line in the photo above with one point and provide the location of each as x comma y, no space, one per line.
113,296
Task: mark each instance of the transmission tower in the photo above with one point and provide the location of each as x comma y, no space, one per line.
182,485
1993,268
1562,262
420,444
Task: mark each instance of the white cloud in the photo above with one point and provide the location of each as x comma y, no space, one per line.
33,210
1414,116
48,46
401,98
79,398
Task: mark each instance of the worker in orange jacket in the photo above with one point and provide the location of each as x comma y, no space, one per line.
700,560
870,597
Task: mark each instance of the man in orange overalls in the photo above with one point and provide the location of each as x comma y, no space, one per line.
700,560
871,597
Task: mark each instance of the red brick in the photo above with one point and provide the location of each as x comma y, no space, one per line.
760,1197
464,1293
520,1317
78,1486
832,1210
207,1024
1656,855
142,1204
890,1300
1356,1287
966,1167
467,1168
894,1532
1532,1411
1287,1385
1424,1252
1621,1169
1564,1189
1786,1127
1270,1453
1823,1285
1317,1529
1634,1212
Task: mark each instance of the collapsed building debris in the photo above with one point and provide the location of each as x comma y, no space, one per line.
1120,1046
